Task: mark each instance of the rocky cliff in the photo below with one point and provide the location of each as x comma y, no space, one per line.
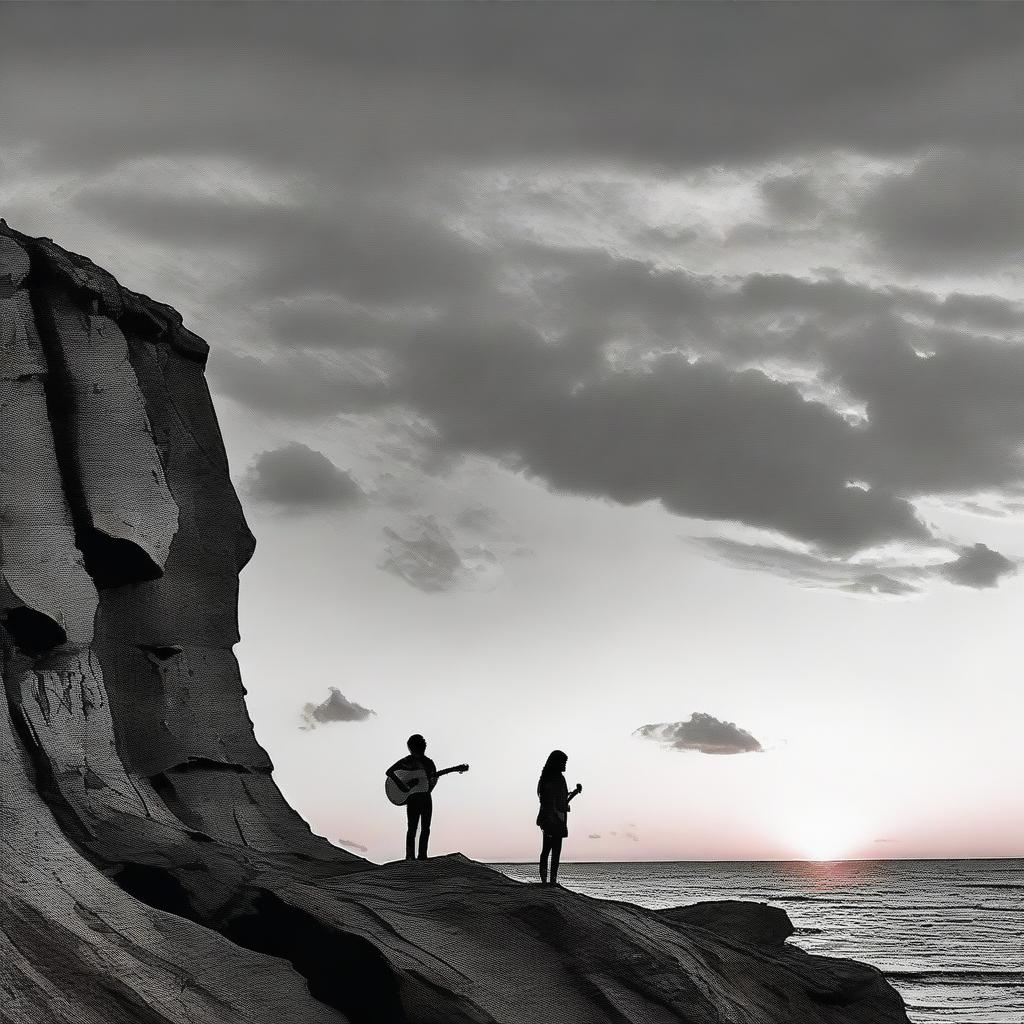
150,871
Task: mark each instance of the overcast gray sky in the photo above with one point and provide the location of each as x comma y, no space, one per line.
640,380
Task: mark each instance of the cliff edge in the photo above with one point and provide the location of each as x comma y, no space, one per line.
150,871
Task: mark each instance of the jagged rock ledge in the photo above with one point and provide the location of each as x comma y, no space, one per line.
150,871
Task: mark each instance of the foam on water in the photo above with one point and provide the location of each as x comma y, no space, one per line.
949,935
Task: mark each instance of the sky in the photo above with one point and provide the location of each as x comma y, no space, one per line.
644,381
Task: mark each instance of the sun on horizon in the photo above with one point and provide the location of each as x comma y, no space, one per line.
825,834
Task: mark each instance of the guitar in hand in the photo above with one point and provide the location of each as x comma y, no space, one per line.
415,780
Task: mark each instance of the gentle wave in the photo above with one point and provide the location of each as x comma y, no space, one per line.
1007,977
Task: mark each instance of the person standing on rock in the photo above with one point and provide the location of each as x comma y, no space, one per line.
419,807
555,798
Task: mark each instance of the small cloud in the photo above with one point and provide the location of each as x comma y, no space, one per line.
978,567
703,733
351,844
594,835
298,479
888,840
431,561
631,835
336,708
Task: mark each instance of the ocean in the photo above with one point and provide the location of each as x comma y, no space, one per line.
949,934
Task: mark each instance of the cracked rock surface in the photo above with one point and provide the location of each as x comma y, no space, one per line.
150,871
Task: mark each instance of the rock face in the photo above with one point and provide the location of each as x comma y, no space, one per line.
150,871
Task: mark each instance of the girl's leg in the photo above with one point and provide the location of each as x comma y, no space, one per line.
544,851
556,853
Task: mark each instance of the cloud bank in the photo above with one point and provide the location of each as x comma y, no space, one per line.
807,324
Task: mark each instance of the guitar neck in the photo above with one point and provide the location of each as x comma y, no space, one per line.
447,771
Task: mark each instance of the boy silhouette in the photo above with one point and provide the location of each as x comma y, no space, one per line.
419,808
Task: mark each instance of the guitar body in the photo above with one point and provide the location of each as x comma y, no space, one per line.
417,780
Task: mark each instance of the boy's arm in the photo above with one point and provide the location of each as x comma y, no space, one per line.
390,773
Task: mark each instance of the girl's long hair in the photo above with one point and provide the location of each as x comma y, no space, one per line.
553,767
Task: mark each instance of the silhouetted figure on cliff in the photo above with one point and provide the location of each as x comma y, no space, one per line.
419,806
552,817
411,782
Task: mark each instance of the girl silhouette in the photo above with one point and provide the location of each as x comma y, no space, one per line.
554,798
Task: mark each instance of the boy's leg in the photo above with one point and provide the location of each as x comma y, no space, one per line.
412,813
426,813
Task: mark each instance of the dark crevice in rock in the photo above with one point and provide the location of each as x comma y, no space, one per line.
342,970
162,653
114,561
32,632
195,764
156,888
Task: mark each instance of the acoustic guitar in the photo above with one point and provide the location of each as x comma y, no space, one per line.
417,780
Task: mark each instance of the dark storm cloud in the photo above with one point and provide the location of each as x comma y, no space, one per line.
596,373
297,385
792,197
324,323
955,210
702,733
366,251
706,439
296,478
643,83
336,708
944,409
979,567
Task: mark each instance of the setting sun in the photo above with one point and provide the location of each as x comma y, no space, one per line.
825,834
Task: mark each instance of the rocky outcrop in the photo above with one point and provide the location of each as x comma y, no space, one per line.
150,871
